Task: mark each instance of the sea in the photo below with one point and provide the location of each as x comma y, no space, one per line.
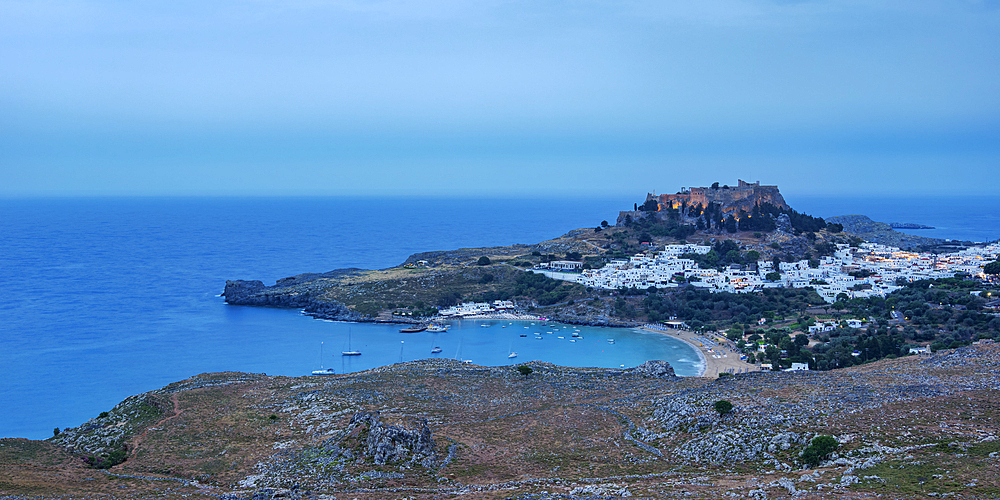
108,297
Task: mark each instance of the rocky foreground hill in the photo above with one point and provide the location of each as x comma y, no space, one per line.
913,427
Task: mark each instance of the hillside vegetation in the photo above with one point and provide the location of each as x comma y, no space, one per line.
913,428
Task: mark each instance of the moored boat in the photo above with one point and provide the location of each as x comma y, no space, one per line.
349,351
322,371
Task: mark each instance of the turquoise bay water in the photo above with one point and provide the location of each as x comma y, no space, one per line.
489,342
105,298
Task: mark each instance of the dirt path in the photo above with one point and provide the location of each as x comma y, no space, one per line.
176,412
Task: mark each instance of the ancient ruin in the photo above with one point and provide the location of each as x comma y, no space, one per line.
731,199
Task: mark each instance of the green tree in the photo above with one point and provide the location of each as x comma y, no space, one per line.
483,261
524,370
731,224
772,276
650,206
604,223
723,407
819,449
734,334
55,432
733,257
992,268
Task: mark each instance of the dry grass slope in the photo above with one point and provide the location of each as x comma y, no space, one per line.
909,428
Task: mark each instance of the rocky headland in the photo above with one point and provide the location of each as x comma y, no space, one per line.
908,225
885,234
913,427
408,292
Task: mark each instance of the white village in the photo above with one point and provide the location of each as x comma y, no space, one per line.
866,270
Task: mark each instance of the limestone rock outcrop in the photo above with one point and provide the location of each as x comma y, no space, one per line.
655,368
254,293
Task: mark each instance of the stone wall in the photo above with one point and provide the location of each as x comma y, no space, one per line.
732,199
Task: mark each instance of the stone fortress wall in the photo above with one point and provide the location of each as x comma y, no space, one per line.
732,199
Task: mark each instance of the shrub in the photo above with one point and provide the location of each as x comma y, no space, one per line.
723,407
819,449
524,370
110,460
483,261
55,432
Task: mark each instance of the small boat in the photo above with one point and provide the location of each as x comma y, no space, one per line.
485,326
349,351
413,329
322,371
524,334
576,334
437,328
435,350
560,337
611,341
512,355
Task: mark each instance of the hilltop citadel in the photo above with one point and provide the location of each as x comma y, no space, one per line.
731,199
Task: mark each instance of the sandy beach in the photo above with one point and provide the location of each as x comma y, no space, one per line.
718,356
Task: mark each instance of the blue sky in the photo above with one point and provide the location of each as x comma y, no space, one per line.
498,98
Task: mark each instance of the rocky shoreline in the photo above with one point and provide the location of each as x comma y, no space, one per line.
255,293
885,234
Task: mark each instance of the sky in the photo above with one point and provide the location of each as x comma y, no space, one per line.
497,97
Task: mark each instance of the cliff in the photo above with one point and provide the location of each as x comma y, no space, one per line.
431,278
284,294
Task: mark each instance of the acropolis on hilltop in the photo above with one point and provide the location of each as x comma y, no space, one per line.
731,199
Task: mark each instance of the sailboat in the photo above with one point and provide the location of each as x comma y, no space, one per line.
322,371
350,352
